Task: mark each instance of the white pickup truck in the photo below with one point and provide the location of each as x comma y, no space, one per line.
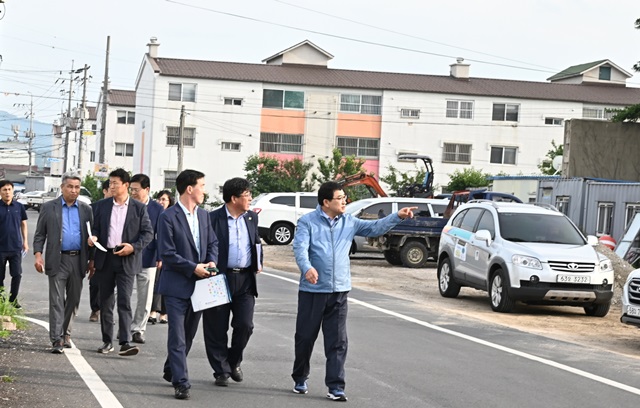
35,199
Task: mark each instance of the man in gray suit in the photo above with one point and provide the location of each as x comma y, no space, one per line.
62,224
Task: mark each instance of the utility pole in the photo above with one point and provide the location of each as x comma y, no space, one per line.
105,92
181,140
82,118
68,122
30,135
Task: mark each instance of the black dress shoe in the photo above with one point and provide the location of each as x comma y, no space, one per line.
167,377
182,393
222,381
67,341
105,348
138,338
128,350
58,347
236,374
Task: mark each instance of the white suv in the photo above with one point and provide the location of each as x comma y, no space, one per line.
523,252
278,214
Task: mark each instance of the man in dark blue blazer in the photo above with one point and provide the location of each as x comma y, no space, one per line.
240,259
187,246
146,277
122,226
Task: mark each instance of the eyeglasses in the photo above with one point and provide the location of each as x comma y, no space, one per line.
340,198
135,190
247,194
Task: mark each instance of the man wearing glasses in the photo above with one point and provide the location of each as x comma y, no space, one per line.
321,247
240,258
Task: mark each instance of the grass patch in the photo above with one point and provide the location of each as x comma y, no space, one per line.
7,379
4,334
8,308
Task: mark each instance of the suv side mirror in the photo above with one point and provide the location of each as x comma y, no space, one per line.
484,235
592,240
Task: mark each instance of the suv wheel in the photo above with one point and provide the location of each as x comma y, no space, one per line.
393,257
597,310
447,286
281,234
414,254
501,301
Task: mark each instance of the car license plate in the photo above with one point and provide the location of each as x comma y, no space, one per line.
633,311
562,278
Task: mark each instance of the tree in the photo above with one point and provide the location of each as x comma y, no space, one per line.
268,174
94,185
470,177
546,167
398,181
630,113
337,167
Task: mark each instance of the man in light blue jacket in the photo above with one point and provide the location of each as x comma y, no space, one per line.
321,247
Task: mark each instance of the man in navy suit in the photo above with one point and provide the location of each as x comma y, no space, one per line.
122,226
187,246
146,277
240,259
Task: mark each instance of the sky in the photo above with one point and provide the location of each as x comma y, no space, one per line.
527,40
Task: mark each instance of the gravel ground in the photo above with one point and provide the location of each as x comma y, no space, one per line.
372,272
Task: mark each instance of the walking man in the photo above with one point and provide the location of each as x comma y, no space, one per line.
94,291
187,246
145,278
321,247
13,239
122,226
240,259
62,226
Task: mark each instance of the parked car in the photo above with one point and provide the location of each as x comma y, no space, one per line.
523,252
279,214
631,299
35,199
375,208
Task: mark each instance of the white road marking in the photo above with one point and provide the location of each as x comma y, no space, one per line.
95,384
476,340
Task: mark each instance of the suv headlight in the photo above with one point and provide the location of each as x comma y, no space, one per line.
605,265
526,261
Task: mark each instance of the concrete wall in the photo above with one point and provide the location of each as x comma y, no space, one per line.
593,148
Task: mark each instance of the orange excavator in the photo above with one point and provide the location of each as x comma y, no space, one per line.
422,190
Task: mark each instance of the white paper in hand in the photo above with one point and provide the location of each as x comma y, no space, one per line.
95,242
210,292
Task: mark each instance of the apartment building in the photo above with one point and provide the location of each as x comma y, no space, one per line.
294,106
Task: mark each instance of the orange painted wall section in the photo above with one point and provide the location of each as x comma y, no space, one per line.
282,156
372,166
350,124
282,121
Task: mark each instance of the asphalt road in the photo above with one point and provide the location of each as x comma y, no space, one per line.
400,354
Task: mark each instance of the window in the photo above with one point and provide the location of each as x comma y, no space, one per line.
366,104
280,143
505,112
233,101
376,211
596,113
605,74
359,146
278,99
553,121
126,117
486,223
503,155
308,201
124,149
230,146
182,92
92,156
170,179
173,135
605,218
410,113
562,204
460,109
456,153
632,210
284,200
471,218
94,128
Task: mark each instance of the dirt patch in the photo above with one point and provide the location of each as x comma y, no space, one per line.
372,272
